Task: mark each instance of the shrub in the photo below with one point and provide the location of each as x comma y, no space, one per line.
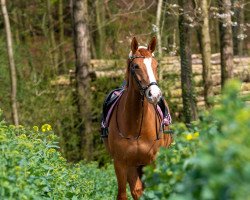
33,168
215,165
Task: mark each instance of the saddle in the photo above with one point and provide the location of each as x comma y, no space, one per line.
110,102
107,109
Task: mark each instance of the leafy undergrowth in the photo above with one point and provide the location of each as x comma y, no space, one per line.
209,160
33,168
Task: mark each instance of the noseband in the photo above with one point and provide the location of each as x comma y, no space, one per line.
138,82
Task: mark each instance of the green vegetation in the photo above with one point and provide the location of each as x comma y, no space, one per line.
210,159
42,100
42,35
33,168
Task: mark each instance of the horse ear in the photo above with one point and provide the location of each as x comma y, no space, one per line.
134,45
152,44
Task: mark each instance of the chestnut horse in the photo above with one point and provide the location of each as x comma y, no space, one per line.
135,133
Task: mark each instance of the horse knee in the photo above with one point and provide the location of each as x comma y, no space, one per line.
136,193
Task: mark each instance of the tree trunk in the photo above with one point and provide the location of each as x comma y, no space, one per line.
238,18
240,30
53,50
82,55
158,33
11,63
189,104
226,47
215,34
100,16
206,53
62,65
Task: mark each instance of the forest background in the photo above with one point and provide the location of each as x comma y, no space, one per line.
44,45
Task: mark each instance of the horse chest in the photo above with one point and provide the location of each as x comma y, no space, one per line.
141,152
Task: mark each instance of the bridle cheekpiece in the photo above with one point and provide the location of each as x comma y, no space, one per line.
138,82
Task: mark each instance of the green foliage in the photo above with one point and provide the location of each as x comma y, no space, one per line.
101,87
40,101
33,168
214,164
171,164
4,77
165,85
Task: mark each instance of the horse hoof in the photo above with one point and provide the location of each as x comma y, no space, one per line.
137,193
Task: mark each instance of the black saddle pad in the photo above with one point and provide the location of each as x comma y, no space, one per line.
114,94
110,99
163,107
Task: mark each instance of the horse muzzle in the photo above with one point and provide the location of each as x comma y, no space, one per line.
153,94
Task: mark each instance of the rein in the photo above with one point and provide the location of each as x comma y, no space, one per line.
157,115
142,92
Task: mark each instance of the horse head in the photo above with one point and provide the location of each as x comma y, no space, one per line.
142,71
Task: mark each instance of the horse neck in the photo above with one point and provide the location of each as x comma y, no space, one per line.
136,105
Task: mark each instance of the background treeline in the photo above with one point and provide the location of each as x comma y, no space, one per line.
44,43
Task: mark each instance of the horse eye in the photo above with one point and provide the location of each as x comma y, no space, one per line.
136,66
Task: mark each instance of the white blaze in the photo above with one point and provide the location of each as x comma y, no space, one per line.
154,89
148,62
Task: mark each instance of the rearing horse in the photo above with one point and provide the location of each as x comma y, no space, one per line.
135,133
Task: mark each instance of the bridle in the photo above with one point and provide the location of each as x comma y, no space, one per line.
133,73
142,92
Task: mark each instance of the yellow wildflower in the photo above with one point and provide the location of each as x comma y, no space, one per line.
51,150
22,136
74,176
189,136
17,168
196,134
61,158
35,128
49,128
46,127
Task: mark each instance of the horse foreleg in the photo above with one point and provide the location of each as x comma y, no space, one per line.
121,175
135,183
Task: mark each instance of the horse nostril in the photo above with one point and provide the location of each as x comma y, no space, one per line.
149,93
159,95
